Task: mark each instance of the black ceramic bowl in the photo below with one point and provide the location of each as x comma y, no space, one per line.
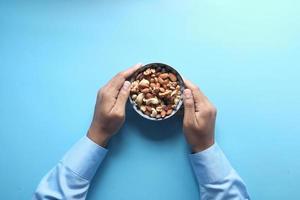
165,68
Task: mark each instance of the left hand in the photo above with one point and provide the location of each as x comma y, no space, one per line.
109,114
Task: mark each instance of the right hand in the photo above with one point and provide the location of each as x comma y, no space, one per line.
199,118
109,114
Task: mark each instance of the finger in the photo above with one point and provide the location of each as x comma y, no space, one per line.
189,105
131,70
199,96
196,90
118,80
122,97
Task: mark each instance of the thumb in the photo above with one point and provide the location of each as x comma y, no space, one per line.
123,96
189,105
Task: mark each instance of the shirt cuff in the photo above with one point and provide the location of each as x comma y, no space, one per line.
84,158
210,165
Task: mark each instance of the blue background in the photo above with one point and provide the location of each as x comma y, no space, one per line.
245,55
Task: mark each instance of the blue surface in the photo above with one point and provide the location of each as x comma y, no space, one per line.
245,55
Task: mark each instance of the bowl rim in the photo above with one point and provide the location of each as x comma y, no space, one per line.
169,68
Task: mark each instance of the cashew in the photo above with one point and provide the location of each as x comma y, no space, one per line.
159,109
143,108
154,113
144,83
153,101
139,99
176,100
163,94
133,97
173,93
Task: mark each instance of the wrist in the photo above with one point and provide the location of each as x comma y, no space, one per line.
202,145
98,136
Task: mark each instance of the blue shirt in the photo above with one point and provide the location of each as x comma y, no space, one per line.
71,177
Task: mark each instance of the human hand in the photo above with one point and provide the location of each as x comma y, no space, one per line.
109,114
199,118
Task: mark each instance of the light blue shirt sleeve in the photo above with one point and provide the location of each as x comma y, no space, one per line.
70,179
217,179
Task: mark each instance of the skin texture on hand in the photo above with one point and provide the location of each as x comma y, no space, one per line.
199,118
109,114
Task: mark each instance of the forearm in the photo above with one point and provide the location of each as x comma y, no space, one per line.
216,177
70,179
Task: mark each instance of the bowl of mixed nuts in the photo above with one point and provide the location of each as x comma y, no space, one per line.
156,91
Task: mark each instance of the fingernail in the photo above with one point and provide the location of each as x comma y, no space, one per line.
126,85
187,93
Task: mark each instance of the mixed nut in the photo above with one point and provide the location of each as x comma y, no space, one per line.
156,92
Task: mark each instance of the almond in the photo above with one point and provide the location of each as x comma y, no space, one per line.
162,89
172,77
145,90
161,81
169,111
148,96
163,76
149,108
163,113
